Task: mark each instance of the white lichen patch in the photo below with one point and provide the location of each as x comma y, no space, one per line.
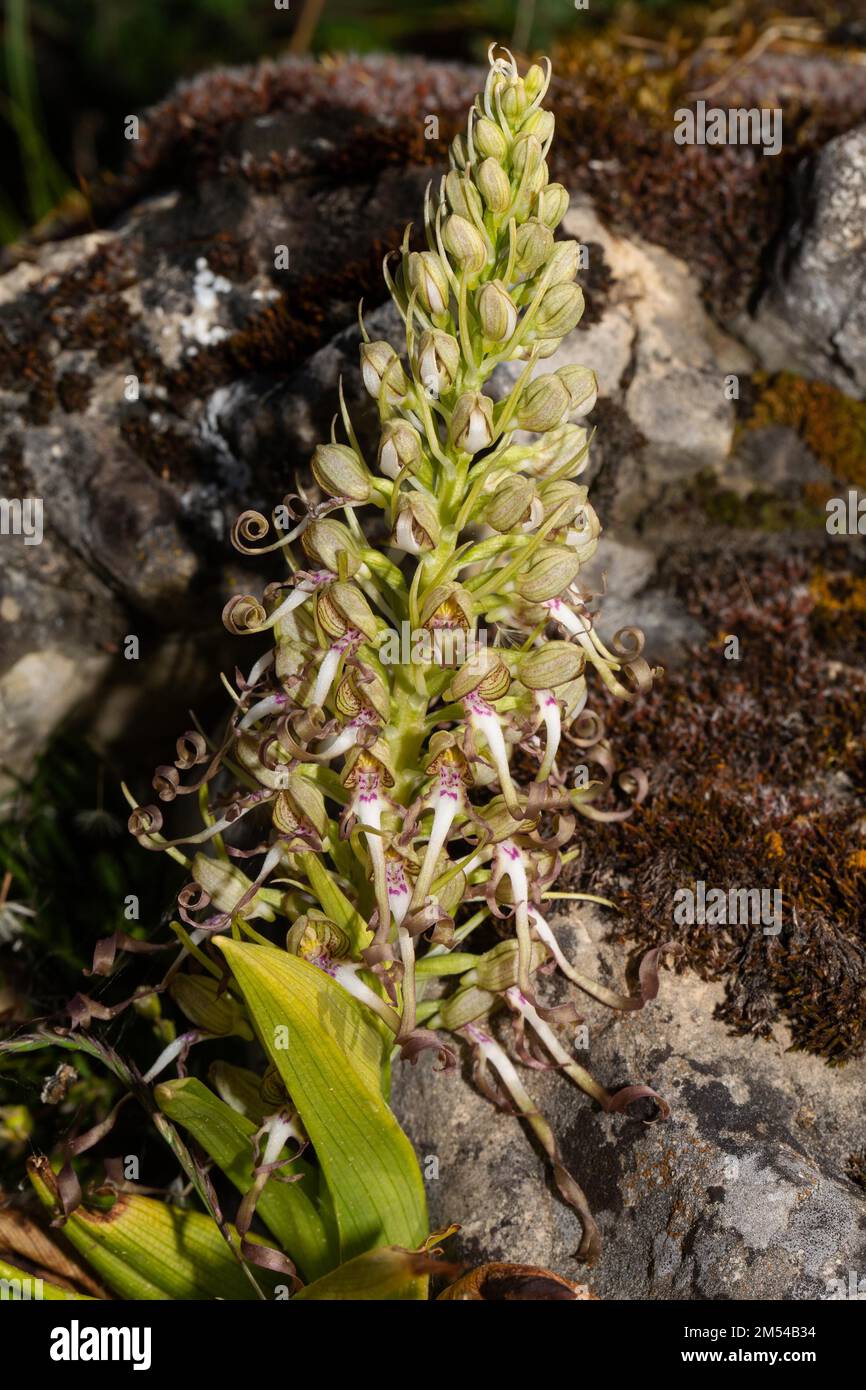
201,325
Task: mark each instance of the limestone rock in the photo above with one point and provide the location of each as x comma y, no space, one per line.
741,1194
813,314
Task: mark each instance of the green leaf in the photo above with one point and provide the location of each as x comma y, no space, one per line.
388,1273
144,1249
287,1209
14,1282
331,1071
334,902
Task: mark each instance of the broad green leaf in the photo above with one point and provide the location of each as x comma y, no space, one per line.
330,1067
388,1273
145,1249
286,1208
19,1284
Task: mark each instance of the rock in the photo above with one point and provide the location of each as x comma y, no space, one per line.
741,1194
161,374
813,314
138,370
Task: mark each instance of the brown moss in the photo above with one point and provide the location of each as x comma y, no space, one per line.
288,330
80,309
719,208
73,392
754,767
595,282
173,456
855,1168
839,617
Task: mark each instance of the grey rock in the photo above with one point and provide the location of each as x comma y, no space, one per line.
813,316
741,1194
235,386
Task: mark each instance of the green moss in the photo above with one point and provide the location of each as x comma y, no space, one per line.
756,510
830,423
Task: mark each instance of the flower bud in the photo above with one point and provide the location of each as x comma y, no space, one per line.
494,185
325,540
553,203
225,885
395,389
465,1006
514,100
543,347
300,805
582,387
375,359
563,499
459,154
197,996
464,243
539,123
497,968
438,361
554,664
559,312
563,263
427,277
526,151
463,197
338,471
497,312
341,607
535,81
489,140
485,673
552,570
453,894
472,422
399,447
417,527
543,404
554,453
510,504
534,244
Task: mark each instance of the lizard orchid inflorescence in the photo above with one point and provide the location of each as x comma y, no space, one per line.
390,809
